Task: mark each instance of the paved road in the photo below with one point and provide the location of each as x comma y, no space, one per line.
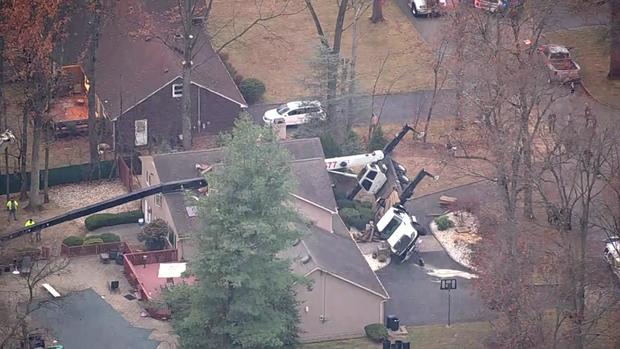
414,291
394,108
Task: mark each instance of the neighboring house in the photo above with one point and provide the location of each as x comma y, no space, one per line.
343,281
138,78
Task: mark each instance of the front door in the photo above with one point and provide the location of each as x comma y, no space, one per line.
147,212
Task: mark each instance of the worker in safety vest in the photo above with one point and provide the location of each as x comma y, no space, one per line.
34,235
12,206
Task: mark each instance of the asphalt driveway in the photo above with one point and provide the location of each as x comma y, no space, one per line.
414,291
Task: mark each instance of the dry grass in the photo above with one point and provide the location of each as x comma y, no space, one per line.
279,52
434,157
591,50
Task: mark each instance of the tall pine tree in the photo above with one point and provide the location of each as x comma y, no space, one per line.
245,294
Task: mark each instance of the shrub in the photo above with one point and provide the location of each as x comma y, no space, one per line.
252,89
96,221
377,139
356,216
345,203
443,222
376,332
110,237
154,235
73,240
92,240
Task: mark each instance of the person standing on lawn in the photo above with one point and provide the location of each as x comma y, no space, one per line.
29,223
12,206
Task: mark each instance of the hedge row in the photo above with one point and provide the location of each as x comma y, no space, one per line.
91,239
99,220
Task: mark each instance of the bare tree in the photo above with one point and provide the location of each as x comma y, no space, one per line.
21,301
93,132
439,79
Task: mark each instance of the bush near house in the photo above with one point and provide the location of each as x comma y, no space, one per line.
355,213
252,90
154,235
376,332
99,220
73,241
443,222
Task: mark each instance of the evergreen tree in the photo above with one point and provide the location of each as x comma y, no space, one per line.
244,297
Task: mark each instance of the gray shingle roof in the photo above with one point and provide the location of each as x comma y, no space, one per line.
130,65
334,254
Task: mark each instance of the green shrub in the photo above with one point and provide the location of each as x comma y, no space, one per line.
357,216
73,240
377,139
345,203
376,332
99,220
92,240
443,222
154,235
110,237
252,90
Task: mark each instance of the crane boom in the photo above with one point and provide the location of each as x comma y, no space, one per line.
163,188
343,162
399,137
408,191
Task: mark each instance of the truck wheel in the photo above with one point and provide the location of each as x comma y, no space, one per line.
420,229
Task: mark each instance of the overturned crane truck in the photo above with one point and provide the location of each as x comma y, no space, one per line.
399,228
373,175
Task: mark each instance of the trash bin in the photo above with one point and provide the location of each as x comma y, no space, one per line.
389,322
387,344
406,345
398,344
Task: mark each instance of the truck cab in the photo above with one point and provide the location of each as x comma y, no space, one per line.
398,228
612,254
372,177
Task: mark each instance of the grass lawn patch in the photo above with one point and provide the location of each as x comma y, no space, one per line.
280,50
590,48
462,335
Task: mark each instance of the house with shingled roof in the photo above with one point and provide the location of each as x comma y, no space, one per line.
138,78
345,294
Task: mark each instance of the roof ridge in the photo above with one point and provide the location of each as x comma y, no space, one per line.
187,152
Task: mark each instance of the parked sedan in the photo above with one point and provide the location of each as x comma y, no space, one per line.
295,113
427,7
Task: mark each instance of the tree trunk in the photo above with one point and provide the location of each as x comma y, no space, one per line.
352,65
614,31
332,73
4,117
93,132
189,40
23,154
35,199
46,196
377,11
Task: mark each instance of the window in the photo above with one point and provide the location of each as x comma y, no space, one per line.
177,90
372,175
366,184
158,200
141,132
293,112
147,178
391,227
312,110
282,109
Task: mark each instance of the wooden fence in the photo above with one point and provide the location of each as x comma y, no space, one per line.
132,260
87,250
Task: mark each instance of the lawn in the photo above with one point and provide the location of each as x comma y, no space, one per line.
463,336
279,51
590,48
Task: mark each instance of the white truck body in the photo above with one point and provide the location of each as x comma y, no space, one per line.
347,162
396,227
612,254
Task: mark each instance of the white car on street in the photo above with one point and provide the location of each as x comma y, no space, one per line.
295,113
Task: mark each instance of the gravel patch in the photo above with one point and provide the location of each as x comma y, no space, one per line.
72,196
458,245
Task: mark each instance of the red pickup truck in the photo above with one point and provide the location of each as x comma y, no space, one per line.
562,68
